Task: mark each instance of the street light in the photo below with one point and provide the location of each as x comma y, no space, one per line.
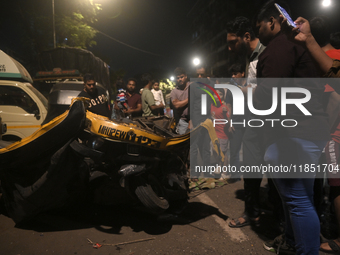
54,41
172,78
196,61
326,3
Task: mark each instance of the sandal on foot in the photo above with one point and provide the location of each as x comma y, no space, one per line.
238,224
335,249
248,221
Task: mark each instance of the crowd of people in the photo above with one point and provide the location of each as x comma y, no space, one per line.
273,49
129,103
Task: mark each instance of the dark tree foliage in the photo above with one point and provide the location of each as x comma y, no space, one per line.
26,26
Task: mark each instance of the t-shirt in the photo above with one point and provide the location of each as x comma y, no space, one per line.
217,113
147,101
98,102
158,96
133,101
335,54
283,58
179,94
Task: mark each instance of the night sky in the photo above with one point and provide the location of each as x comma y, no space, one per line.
161,27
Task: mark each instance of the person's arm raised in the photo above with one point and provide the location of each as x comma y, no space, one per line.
302,34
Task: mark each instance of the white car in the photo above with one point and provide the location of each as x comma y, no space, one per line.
22,107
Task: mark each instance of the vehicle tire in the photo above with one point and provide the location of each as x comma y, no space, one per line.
151,195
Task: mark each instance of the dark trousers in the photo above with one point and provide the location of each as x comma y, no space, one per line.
253,155
235,147
201,144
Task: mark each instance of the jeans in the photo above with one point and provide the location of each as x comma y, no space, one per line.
302,223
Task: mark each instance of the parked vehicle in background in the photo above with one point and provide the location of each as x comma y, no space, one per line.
61,64
22,107
60,76
61,95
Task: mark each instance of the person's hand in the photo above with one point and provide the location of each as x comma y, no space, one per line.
231,129
128,111
190,126
288,30
116,106
300,33
303,29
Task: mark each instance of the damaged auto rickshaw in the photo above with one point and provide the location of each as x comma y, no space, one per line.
141,162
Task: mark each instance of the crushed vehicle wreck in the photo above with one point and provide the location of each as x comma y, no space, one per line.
140,162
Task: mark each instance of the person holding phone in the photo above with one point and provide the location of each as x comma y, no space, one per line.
302,144
302,33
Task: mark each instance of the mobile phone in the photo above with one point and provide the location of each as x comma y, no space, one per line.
285,15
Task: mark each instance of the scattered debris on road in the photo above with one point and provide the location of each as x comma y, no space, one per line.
98,245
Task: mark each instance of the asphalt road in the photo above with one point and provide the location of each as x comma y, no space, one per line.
200,229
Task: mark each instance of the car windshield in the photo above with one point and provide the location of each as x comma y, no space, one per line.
39,95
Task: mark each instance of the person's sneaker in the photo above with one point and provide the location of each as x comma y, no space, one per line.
279,246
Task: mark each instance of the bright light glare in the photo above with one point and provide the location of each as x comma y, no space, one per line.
326,3
196,61
172,78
